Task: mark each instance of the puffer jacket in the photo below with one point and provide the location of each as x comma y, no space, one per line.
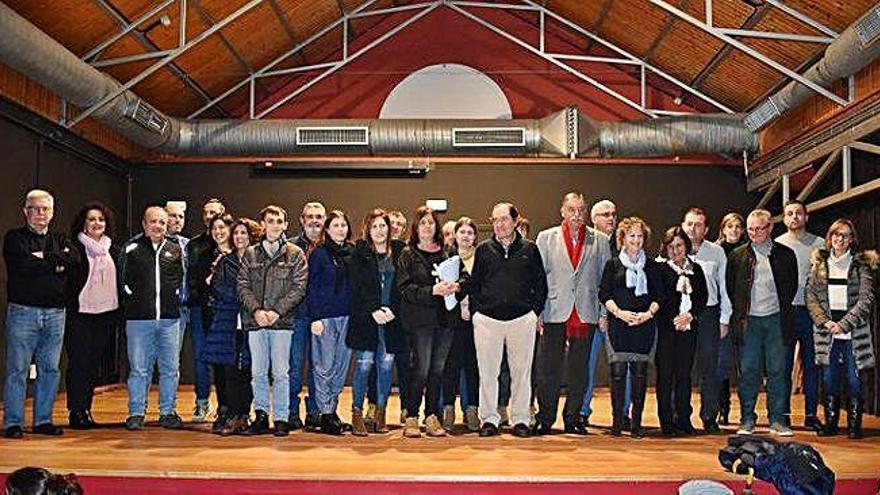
860,298
272,283
225,344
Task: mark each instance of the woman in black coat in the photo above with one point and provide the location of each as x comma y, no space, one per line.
93,315
630,290
374,331
424,317
684,296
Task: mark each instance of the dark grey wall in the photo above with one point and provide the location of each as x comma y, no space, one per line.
29,160
658,193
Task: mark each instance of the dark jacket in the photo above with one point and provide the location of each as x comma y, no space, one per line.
859,302
141,265
670,298
329,291
225,343
307,246
507,285
628,343
199,258
38,281
272,283
741,275
78,276
363,331
419,307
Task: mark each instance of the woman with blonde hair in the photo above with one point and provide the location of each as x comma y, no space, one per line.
630,290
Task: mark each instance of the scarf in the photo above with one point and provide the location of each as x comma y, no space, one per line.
99,293
574,327
340,254
683,285
467,259
635,272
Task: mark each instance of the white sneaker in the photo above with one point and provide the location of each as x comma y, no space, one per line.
746,428
781,430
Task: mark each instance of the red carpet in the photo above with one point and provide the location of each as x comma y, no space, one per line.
95,485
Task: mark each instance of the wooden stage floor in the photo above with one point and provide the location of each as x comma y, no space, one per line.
196,453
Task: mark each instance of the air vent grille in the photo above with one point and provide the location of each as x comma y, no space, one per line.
869,28
332,136
488,137
760,116
148,117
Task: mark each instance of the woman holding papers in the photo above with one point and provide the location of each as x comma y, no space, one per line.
424,316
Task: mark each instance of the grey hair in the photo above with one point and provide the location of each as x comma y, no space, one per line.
35,194
601,205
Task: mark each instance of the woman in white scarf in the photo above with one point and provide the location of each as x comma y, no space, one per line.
93,314
630,291
684,296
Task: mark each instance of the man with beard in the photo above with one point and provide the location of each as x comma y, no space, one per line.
312,222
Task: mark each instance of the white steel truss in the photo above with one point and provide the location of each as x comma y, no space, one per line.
168,58
727,36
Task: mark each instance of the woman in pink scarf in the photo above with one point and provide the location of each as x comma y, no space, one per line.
93,315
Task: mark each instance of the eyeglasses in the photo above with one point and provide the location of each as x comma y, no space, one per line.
607,214
38,209
755,230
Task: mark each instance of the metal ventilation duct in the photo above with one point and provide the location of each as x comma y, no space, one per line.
566,133
857,46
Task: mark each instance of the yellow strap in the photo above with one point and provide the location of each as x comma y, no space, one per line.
750,478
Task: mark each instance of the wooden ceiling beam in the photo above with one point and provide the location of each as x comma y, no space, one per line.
754,18
114,13
667,26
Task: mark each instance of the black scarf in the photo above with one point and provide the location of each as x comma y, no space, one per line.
340,255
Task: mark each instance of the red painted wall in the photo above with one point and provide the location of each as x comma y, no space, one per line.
533,86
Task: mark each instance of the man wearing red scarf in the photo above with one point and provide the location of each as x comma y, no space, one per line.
574,256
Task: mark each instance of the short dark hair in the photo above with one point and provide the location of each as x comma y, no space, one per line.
422,212
794,201
79,221
670,235
470,223
227,219
514,213
368,222
29,480
696,210
273,210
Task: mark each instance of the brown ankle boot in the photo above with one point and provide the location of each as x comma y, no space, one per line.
379,424
411,428
358,428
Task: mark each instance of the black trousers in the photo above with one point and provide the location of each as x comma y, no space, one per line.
558,355
462,357
86,338
675,359
233,386
430,348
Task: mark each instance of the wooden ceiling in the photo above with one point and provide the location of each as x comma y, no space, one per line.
274,26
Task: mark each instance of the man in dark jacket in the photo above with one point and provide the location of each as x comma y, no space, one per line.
508,288
312,222
198,257
152,273
762,282
271,285
37,267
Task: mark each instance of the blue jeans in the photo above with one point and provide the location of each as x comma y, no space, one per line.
803,333
200,368
598,347
330,356
149,342
300,358
364,361
32,333
842,359
271,348
763,337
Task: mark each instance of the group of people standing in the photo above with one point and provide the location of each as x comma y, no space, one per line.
531,316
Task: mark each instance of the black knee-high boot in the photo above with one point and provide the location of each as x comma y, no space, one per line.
724,403
618,395
832,415
854,418
639,388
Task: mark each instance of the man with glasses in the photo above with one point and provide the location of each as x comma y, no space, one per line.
508,288
603,214
712,324
311,221
37,266
794,215
762,283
